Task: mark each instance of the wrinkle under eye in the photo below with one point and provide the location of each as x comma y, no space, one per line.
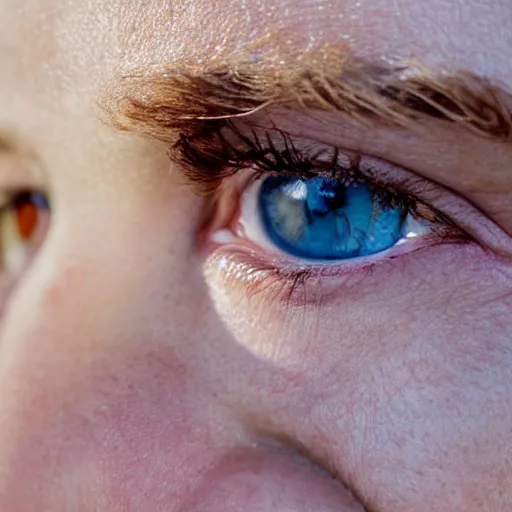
326,219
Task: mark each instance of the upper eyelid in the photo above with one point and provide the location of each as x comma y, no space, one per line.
358,168
302,158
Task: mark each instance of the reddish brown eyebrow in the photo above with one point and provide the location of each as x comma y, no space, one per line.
185,102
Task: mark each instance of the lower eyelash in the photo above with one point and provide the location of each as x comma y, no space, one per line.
292,287
298,285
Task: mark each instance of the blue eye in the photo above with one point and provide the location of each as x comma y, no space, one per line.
325,219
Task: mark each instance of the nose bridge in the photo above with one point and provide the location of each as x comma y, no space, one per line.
94,389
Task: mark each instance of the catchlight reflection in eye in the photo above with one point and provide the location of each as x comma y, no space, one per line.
322,218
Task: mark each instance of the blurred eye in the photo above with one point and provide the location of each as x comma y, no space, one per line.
24,222
322,218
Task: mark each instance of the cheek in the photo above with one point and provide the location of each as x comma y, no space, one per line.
407,372
110,388
90,422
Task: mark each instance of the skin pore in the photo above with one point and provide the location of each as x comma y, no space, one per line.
145,367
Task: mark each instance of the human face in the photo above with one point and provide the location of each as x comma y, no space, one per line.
146,364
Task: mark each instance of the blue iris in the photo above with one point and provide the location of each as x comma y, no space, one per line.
325,219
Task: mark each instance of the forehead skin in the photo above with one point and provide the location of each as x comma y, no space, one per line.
92,40
82,48
58,57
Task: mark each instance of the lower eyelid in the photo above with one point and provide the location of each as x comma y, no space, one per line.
288,266
300,285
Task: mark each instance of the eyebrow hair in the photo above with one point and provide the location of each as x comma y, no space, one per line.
188,101
198,113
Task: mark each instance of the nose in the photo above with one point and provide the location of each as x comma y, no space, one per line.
106,402
98,409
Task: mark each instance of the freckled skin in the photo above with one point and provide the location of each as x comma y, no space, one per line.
136,376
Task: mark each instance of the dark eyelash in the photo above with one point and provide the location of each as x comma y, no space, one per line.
219,153
211,159
229,146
